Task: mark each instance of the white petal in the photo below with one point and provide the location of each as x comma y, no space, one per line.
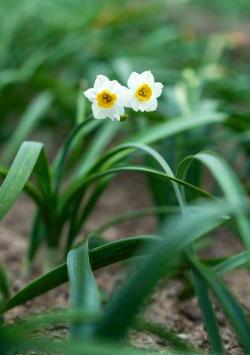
100,81
114,85
147,77
124,96
90,94
157,89
150,105
98,112
134,80
115,113
135,104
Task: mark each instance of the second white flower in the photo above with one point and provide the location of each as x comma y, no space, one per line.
144,91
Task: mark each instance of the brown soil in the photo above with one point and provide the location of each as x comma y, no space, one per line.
165,306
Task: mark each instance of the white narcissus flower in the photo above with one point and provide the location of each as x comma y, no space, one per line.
108,98
144,91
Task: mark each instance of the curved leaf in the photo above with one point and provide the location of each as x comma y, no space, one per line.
230,306
180,232
99,257
80,184
229,183
18,175
176,126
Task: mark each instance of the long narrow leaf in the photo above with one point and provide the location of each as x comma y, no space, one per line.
83,289
28,121
180,232
99,257
176,126
233,262
18,175
209,317
229,183
74,189
228,303
5,290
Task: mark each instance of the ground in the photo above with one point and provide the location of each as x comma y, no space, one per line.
165,306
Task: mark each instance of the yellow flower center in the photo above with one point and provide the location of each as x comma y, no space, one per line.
143,92
106,99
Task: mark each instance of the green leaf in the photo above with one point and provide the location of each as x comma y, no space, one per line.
63,153
18,175
35,112
233,262
77,186
229,183
76,221
99,257
175,126
230,306
36,237
165,210
84,293
29,188
173,340
81,108
5,290
21,341
30,157
211,324
163,164
99,141
89,205
179,233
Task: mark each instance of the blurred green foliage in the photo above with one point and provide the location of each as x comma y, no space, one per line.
62,44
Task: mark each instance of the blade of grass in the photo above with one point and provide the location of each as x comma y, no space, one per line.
77,222
99,257
229,183
179,232
31,117
5,290
236,261
84,293
36,237
211,324
136,214
75,187
228,303
18,175
173,340
175,126
21,341
62,155
29,188
96,194
101,139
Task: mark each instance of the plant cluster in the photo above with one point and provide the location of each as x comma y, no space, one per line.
192,147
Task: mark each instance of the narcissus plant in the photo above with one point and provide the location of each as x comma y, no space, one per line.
109,98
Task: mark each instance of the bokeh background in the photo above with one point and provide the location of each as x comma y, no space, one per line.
51,49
